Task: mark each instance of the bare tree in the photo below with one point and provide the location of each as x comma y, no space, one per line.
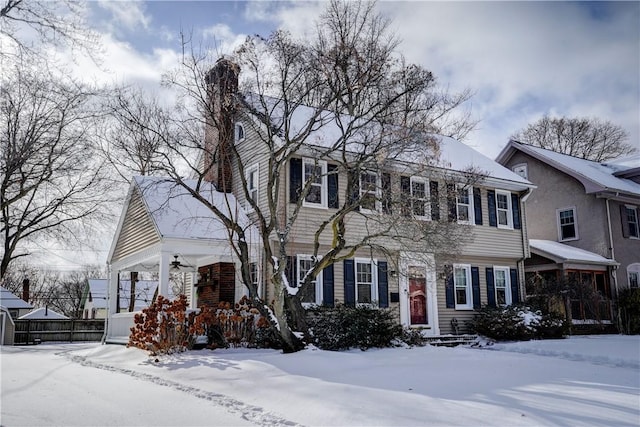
41,283
344,98
54,23
50,179
70,289
591,139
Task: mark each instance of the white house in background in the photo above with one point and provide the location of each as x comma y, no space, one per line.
163,226
43,313
14,305
97,290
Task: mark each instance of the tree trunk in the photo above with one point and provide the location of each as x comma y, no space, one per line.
132,294
298,315
291,343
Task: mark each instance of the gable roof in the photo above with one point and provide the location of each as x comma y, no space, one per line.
450,153
43,314
10,300
559,252
595,177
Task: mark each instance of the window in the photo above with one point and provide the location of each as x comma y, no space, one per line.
462,286
369,189
239,132
633,272
252,177
419,198
464,205
567,227
631,213
313,294
315,173
503,209
502,285
366,289
521,169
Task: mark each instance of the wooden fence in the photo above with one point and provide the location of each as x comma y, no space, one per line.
36,331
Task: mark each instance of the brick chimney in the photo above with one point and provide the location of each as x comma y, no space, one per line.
222,81
25,290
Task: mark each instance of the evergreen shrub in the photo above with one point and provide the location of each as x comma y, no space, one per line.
517,323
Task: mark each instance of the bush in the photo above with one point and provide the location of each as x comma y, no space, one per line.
163,327
240,325
516,323
343,327
629,305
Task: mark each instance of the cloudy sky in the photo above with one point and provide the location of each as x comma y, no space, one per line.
521,59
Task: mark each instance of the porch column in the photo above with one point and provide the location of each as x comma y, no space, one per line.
112,297
163,286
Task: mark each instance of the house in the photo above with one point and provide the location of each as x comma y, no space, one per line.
14,305
583,222
43,313
163,228
94,300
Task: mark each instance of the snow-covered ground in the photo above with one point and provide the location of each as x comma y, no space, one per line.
578,381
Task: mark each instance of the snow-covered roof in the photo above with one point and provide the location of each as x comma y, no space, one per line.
145,289
327,133
566,253
43,314
596,177
178,214
10,300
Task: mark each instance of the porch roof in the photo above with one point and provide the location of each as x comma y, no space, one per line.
562,253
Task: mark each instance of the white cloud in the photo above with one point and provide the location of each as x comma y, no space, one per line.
129,15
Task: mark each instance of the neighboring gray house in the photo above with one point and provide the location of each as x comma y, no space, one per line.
586,205
15,305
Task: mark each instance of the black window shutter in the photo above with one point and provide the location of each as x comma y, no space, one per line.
291,271
386,193
515,294
491,291
452,202
515,205
349,283
625,222
448,288
383,285
295,180
475,287
327,286
405,189
477,205
491,204
332,186
435,200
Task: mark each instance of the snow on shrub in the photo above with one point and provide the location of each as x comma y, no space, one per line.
515,323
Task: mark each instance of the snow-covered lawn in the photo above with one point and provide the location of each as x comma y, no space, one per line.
578,381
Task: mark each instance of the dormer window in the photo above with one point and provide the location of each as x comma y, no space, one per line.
239,132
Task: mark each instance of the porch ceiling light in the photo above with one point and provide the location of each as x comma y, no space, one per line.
175,264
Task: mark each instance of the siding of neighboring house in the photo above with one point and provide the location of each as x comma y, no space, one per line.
138,231
559,190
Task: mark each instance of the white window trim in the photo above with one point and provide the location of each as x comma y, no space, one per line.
521,166
575,224
256,168
634,208
318,290
377,195
237,128
258,281
427,198
633,269
374,280
507,275
471,220
509,224
469,304
324,190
